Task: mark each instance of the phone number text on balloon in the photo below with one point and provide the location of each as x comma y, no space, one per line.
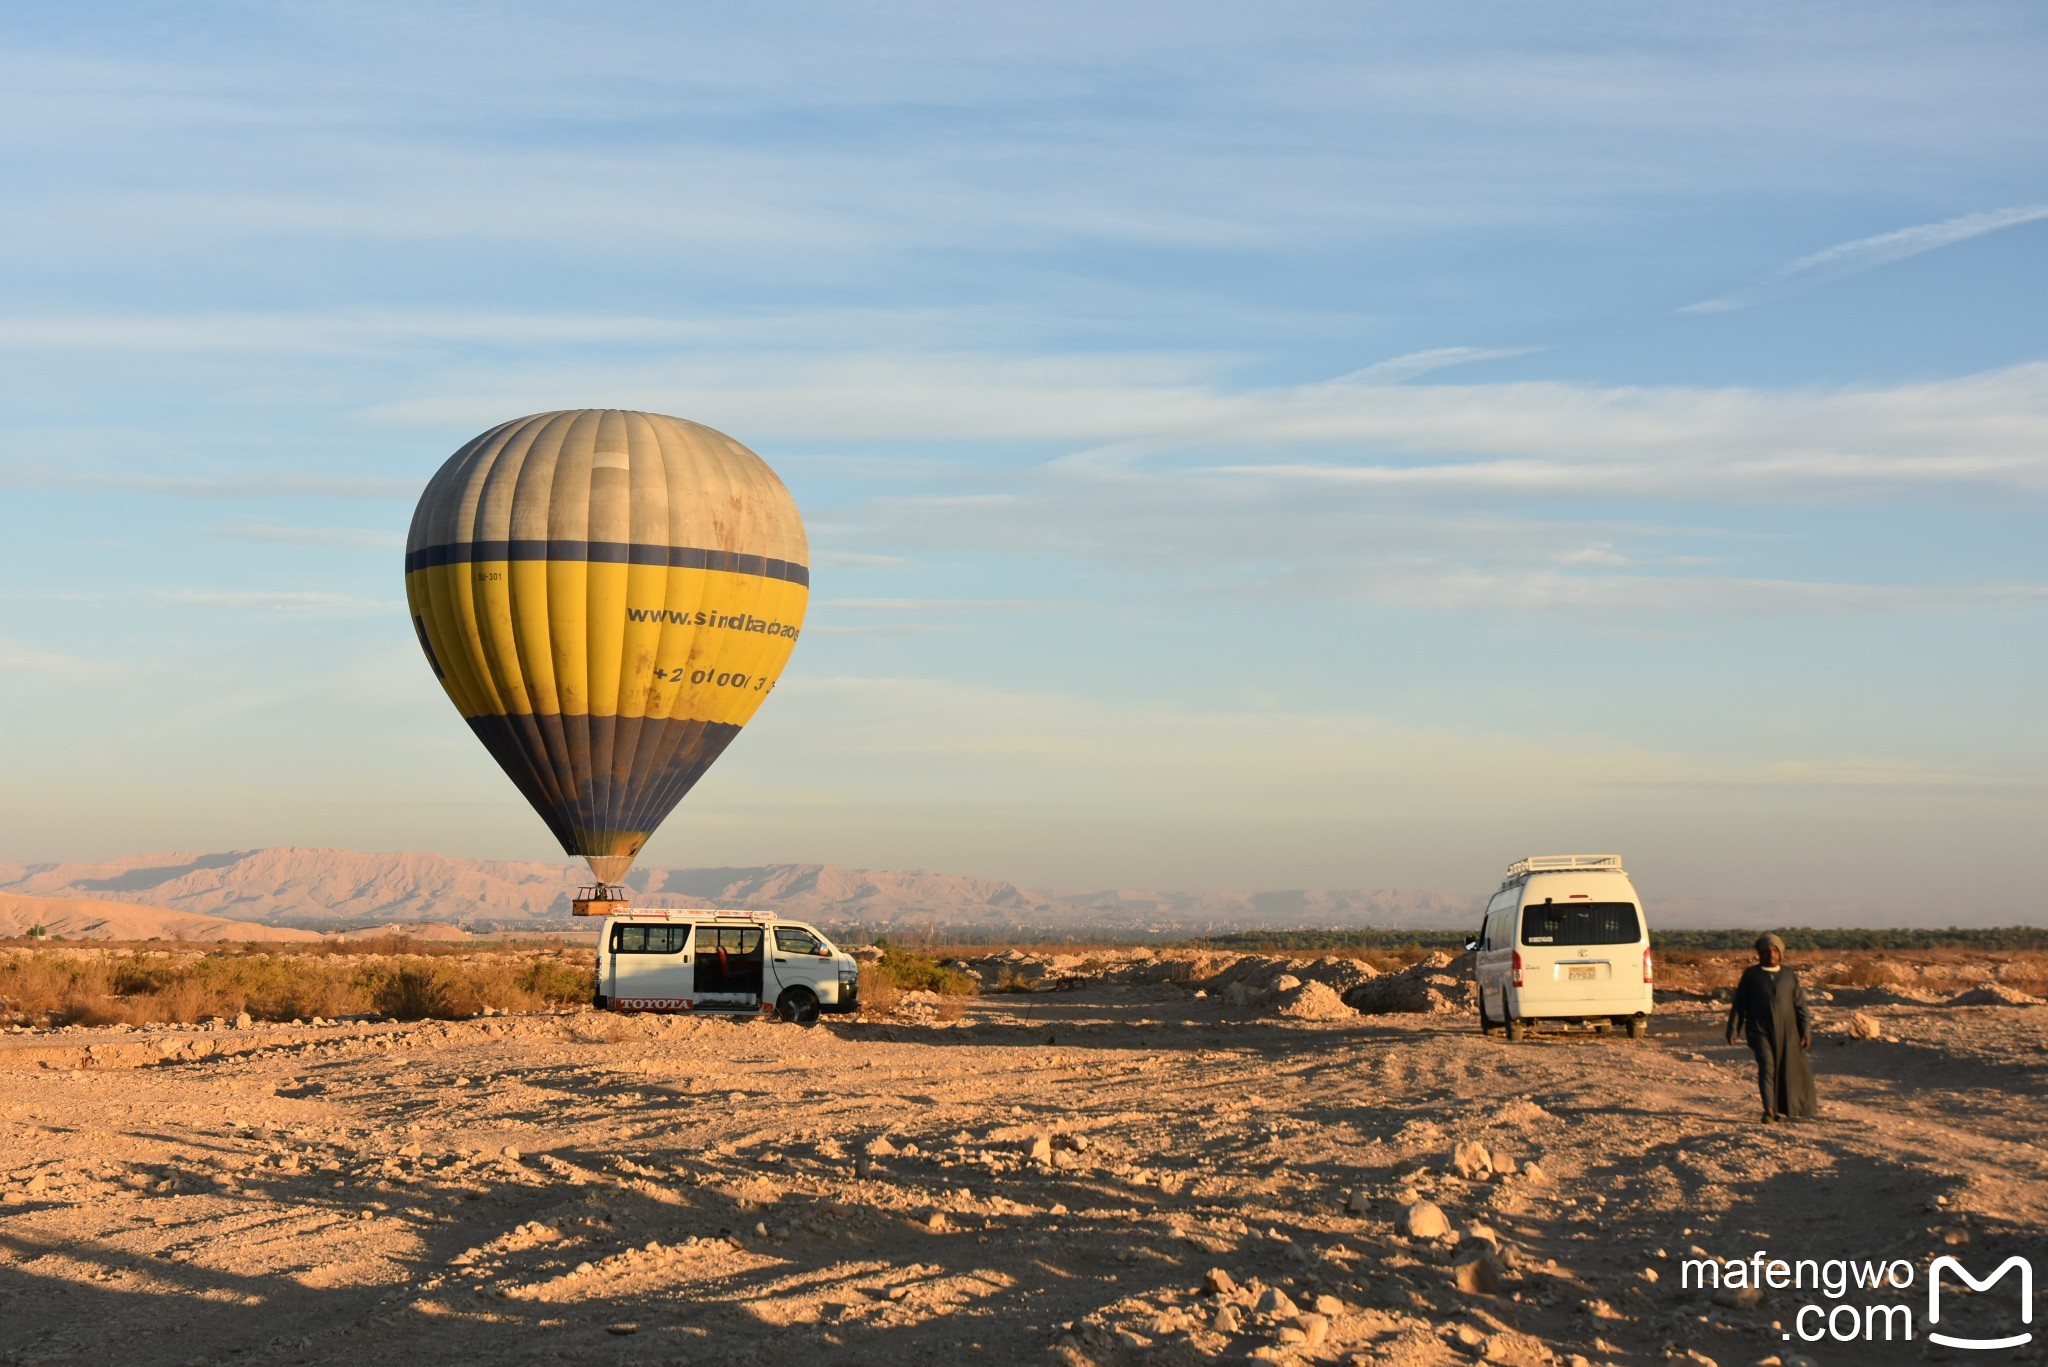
717,678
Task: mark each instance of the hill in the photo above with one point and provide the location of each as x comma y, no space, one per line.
326,889
89,918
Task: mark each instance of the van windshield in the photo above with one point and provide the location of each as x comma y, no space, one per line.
1581,923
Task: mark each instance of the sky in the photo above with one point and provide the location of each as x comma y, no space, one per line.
1302,445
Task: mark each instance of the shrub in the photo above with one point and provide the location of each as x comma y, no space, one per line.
103,987
415,992
878,991
920,972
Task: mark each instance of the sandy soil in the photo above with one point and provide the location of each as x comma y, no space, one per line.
1051,1178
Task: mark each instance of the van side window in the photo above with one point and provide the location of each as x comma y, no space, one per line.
650,939
790,940
738,941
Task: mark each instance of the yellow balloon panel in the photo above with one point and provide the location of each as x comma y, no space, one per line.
622,640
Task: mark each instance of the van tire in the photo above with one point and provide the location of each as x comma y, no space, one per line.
1487,1024
1518,1029
798,1006
1638,1026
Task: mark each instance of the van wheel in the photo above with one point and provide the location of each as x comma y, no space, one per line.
798,1006
1518,1029
1638,1026
1487,1024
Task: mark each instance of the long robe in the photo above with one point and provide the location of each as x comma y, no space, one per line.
1770,1009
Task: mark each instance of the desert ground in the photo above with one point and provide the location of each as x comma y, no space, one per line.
1171,1163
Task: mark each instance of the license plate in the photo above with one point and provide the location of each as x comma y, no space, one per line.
1579,973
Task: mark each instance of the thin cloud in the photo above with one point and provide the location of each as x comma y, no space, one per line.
337,538
1399,368
1867,253
855,560
252,600
254,484
17,657
940,604
1683,596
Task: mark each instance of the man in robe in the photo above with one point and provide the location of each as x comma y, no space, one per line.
1770,1010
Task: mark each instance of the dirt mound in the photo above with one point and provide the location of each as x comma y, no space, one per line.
1993,994
1312,1001
1438,984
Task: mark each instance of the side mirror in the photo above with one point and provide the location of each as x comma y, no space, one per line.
1471,942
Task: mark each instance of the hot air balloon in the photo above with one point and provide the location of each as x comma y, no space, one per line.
607,597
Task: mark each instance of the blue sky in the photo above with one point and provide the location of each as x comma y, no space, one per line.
1297,445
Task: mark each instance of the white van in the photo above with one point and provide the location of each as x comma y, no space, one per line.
1564,940
732,961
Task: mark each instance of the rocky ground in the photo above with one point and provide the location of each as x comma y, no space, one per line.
1158,1165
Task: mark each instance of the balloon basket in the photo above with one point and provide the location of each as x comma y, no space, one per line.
605,899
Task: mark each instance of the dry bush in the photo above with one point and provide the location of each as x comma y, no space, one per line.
1009,980
950,1008
913,971
878,991
122,988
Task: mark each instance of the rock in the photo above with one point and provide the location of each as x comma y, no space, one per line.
1471,1161
1076,1143
244,1020
1470,1339
1039,1150
1863,1025
1746,1298
1329,1306
1217,1282
937,1222
1227,1320
622,1329
1425,1220
1533,1172
1478,1271
1286,982
511,1153
880,1147
1290,1336
1314,1329
1357,1203
1276,1303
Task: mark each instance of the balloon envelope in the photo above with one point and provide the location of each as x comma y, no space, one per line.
607,597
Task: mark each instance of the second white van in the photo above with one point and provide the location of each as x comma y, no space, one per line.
1564,941
728,961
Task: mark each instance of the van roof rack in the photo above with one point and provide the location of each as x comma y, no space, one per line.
699,913
1563,863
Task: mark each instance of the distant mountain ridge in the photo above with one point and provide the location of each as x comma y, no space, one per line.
325,889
